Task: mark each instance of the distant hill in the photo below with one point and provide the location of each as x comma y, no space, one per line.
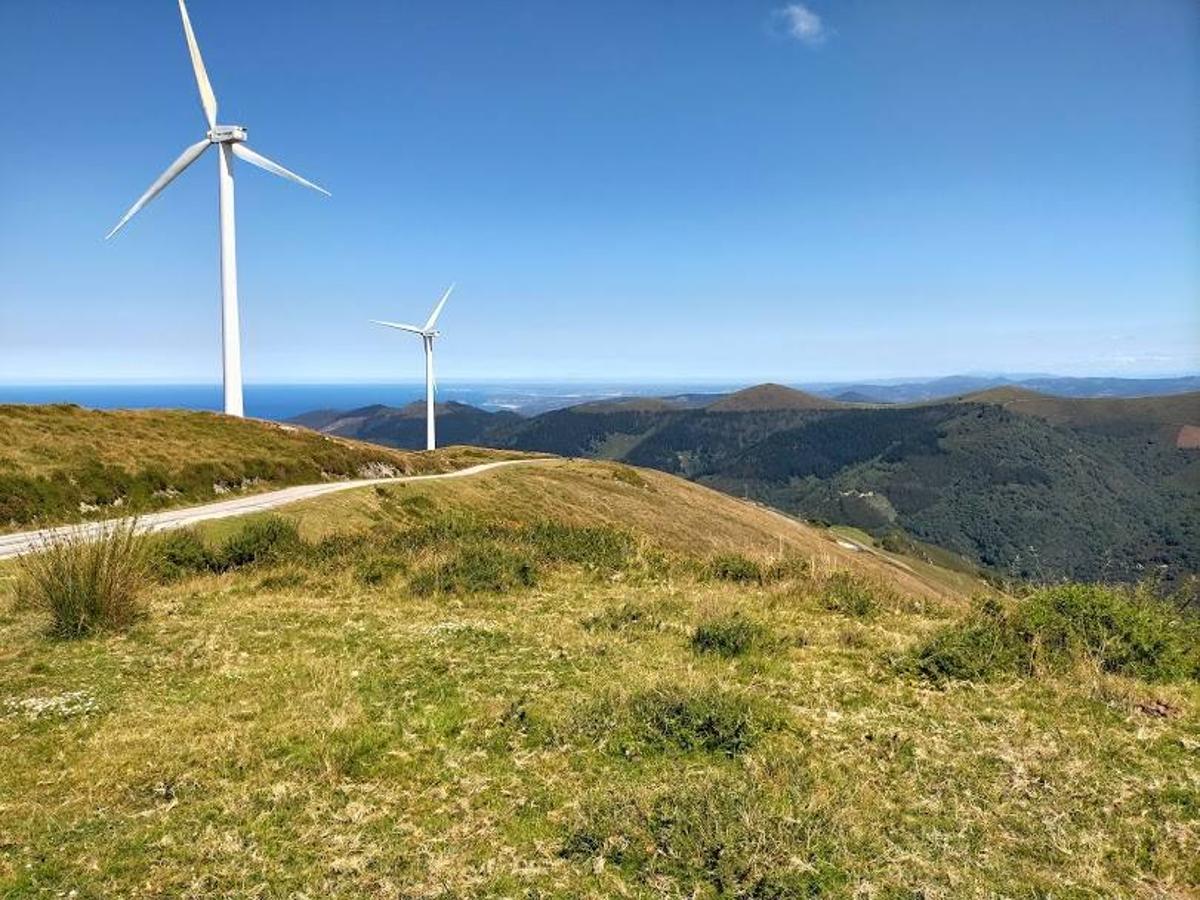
769,397
959,385
404,427
855,397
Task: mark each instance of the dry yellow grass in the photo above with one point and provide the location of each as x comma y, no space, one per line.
679,515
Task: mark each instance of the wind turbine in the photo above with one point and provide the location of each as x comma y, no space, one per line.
229,140
427,333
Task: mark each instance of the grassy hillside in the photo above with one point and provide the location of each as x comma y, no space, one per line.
579,680
1028,485
63,463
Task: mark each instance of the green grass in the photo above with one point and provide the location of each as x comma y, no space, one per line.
85,585
730,635
299,725
65,464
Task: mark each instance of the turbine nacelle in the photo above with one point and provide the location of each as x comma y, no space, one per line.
227,134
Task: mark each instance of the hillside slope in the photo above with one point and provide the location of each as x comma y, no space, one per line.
63,463
570,680
1032,486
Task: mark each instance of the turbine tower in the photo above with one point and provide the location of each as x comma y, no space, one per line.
427,333
230,142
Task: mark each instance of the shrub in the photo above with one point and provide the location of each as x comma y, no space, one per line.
177,554
478,569
851,596
86,584
271,539
1121,630
736,568
729,636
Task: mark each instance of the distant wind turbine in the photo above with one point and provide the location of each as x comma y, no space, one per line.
427,333
229,139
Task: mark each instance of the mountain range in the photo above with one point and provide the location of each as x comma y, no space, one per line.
1022,483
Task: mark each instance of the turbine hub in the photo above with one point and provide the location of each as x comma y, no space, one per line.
227,134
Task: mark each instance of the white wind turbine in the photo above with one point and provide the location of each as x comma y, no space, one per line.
427,333
229,140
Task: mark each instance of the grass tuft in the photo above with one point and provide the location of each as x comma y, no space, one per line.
736,568
849,595
673,719
731,635
86,584
477,569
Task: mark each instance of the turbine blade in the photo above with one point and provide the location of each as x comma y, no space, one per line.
413,328
241,151
437,310
186,158
208,99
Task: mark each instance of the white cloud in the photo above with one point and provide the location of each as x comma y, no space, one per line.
802,23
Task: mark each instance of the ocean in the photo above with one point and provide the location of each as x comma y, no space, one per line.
283,401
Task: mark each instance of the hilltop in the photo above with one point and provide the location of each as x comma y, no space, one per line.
770,397
574,679
62,463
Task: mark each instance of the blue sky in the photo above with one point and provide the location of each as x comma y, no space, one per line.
668,190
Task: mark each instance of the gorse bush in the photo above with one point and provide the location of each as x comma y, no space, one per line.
272,539
177,554
731,635
86,584
1120,630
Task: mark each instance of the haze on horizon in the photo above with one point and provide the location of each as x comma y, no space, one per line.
711,191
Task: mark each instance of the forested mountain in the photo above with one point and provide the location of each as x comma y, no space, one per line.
1026,484
404,427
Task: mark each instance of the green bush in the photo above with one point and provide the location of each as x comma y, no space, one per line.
849,595
732,635
86,584
271,539
972,650
736,568
1121,630
177,554
477,569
